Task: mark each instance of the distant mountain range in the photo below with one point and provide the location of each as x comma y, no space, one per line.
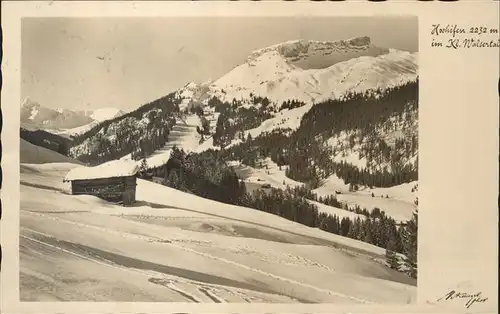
63,121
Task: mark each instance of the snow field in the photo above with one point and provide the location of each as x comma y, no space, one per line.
212,238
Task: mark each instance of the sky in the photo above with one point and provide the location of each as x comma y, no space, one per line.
91,63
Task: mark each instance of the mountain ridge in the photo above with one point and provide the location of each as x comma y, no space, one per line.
63,121
275,72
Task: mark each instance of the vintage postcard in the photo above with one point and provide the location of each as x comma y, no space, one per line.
216,157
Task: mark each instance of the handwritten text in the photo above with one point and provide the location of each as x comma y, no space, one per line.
454,36
469,298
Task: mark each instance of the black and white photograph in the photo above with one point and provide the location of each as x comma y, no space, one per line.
219,159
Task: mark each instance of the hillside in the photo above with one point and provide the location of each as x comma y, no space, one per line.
32,154
138,133
364,139
183,134
54,142
211,252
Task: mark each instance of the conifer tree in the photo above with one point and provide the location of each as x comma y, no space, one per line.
409,235
143,169
390,256
205,125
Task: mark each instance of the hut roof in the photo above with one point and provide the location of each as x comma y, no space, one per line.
111,169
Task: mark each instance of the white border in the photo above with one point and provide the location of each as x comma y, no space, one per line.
458,230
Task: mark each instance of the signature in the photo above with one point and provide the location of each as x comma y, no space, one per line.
470,298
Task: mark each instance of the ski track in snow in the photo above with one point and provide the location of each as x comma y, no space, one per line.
149,239
170,285
183,135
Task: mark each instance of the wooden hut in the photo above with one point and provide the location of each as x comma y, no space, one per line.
114,181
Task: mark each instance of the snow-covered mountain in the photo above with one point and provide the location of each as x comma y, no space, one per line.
306,71
63,121
103,114
35,115
314,72
310,71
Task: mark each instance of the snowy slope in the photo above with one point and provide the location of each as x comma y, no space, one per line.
183,135
399,204
75,131
339,212
275,177
286,82
403,126
80,248
331,185
103,114
397,209
33,154
269,173
407,192
286,119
